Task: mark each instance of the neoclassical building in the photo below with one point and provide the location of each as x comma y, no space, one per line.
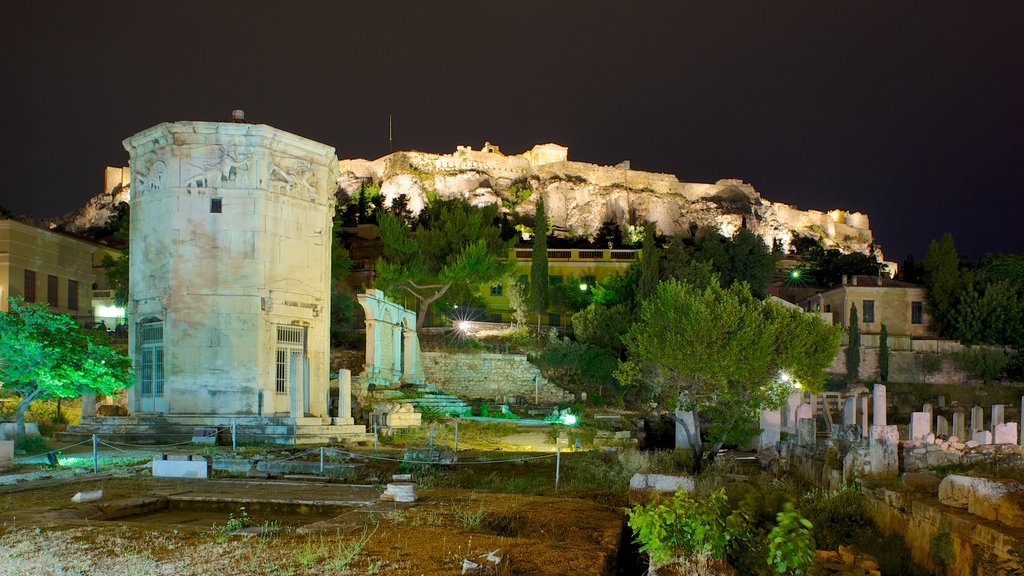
230,270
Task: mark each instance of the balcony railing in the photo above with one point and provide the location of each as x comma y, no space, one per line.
586,254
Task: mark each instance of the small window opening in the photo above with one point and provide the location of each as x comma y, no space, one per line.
215,205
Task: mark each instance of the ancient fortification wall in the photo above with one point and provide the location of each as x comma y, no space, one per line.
491,377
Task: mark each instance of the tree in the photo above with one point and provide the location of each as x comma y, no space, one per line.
853,347
602,326
650,274
723,354
993,314
942,284
47,355
453,244
539,261
883,355
116,269
750,261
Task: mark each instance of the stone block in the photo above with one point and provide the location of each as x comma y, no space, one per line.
982,437
941,426
977,418
771,428
180,468
849,411
1000,501
9,430
661,483
959,429
686,426
1005,433
923,482
6,454
920,424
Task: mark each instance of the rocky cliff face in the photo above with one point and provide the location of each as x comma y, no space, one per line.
579,197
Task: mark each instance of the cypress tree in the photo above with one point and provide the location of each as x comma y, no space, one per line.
539,261
883,355
650,274
853,347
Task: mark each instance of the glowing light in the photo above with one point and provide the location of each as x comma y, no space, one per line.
794,274
568,419
104,311
464,326
784,377
583,287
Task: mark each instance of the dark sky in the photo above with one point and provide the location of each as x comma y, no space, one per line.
910,111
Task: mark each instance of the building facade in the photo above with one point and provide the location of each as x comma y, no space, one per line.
898,305
230,269
62,271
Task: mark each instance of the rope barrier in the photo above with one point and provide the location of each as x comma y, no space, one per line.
456,463
56,449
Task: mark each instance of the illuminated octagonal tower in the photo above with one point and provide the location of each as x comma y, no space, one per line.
230,271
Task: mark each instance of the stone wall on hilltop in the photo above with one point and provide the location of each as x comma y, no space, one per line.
579,196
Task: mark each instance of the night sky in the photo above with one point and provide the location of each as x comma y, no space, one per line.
912,112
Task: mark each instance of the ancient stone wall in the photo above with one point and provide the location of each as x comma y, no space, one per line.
904,366
920,521
492,377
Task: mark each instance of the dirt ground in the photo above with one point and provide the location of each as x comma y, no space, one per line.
330,529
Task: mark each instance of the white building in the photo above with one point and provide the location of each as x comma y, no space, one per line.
230,270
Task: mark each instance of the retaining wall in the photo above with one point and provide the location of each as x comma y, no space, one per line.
493,377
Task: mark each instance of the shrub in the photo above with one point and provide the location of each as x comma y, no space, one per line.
982,363
683,530
790,544
838,517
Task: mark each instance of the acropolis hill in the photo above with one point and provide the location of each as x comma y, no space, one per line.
579,196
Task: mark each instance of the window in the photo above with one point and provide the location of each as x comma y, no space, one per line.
30,286
215,205
917,312
72,294
52,297
151,359
290,346
828,308
496,290
869,311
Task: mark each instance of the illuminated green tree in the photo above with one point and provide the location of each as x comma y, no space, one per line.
853,347
47,355
539,261
650,272
883,355
723,354
942,284
453,244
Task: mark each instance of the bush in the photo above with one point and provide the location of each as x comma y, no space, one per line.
790,544
983,363
838,517
683,530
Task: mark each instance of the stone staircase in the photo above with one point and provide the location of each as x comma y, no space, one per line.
434,400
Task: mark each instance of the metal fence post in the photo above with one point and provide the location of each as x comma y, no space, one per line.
321,460
234,445
95,455
375,436
558,466
456,435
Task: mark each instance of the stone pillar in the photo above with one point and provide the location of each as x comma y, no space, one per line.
850,411
927,407
88,406
920,425
862,415
998,416
982,437
411,352
1004,433
771,427
682,439
344,397
789,415
878,405
807,433
396,351
883,452
941,426
977,419
959,429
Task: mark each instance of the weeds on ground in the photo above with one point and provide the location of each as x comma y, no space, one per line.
470,519
346,550
234,524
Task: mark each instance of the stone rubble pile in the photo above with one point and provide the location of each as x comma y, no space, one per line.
846,562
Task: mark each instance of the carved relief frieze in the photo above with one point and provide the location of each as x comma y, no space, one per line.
216,166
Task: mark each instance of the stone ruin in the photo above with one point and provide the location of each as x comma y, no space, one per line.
852,449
